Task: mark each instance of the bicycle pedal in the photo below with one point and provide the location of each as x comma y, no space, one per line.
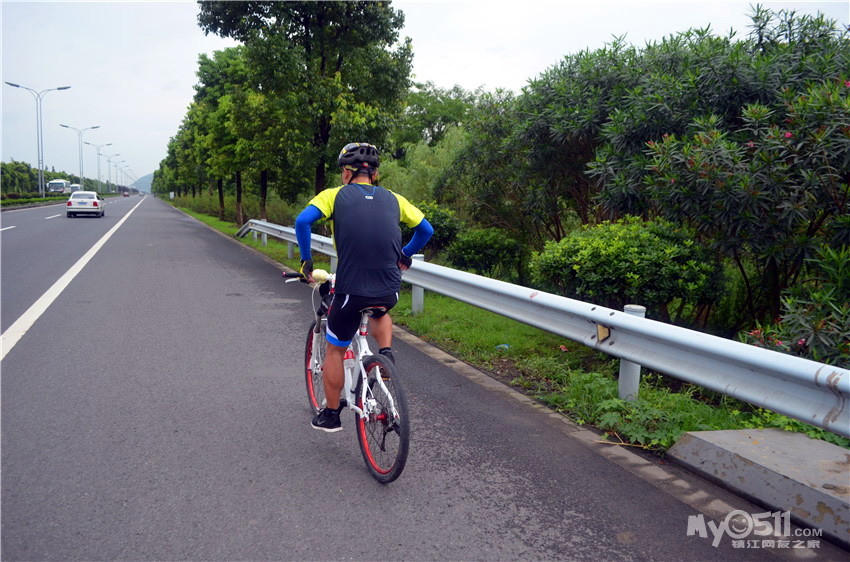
343,403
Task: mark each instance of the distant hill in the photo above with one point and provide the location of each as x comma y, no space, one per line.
144,183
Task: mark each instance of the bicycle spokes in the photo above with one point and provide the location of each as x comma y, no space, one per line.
383,430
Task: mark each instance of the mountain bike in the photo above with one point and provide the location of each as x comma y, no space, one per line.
372,389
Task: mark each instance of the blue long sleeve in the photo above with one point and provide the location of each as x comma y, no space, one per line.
303,223
422,232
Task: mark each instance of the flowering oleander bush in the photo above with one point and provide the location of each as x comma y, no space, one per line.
815,320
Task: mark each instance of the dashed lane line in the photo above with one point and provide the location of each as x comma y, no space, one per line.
17,330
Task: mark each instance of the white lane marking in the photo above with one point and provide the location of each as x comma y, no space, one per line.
52,217
17,330
7,228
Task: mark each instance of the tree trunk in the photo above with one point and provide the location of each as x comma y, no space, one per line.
240,219
264,188
323,135
220,199
774,290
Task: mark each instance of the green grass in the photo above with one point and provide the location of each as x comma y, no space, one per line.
568,377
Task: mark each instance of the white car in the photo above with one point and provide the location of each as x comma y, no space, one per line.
85,203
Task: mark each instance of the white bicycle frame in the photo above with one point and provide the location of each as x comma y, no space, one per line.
359,346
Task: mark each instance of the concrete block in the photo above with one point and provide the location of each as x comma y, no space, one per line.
783,470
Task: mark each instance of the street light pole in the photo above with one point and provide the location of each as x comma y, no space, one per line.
109,169
117,170
80,135
98,147
39,139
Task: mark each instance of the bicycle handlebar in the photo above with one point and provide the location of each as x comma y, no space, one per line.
318,275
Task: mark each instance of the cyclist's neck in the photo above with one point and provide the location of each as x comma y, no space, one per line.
366,180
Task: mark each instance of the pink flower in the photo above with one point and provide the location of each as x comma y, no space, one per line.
751,144
788,135
847,83
802,342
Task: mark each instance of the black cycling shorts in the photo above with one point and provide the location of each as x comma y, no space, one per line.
344,315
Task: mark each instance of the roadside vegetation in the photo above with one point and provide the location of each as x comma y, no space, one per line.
570,378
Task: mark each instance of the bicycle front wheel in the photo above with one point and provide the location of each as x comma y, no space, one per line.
314,359
384,434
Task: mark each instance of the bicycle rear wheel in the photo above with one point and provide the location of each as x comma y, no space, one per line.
384,435
314,359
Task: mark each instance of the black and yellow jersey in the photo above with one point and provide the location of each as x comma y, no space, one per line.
365,223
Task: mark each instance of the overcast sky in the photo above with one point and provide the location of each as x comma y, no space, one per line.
131,65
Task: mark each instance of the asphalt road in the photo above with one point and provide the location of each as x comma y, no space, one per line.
156,411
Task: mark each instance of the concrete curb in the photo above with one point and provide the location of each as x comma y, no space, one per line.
785,471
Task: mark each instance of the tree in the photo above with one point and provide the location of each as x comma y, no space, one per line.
770,193
428,115
333,57
491,181
18,177
560,116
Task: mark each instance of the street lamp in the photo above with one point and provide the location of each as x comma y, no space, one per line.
98,147
109,169
39,141
118,179
80,135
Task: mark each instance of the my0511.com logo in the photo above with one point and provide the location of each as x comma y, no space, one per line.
751,530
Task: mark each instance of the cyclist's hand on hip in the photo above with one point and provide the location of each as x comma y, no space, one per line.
404,262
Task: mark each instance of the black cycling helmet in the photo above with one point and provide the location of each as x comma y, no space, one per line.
359,157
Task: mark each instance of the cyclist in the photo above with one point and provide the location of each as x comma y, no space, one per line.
365,222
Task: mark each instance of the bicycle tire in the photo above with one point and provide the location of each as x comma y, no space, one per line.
384,439
313,377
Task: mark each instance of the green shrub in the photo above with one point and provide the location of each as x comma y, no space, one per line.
631,261
487,251
446,226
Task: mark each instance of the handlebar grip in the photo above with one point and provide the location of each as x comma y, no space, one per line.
320,275
289,275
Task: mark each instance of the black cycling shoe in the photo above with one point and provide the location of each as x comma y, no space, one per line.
327,420
388,353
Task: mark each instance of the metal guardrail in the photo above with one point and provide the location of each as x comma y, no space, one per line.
811,392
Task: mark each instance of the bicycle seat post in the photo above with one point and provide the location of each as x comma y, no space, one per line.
364,323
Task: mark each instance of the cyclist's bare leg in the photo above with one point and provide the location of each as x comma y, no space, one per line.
333,375
382,330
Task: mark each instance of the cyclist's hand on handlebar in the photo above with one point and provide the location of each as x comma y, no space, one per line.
404,262
307,270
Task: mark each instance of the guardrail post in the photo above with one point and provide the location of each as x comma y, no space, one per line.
265,239
254,235
627,387
418,294
333,264
290,250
